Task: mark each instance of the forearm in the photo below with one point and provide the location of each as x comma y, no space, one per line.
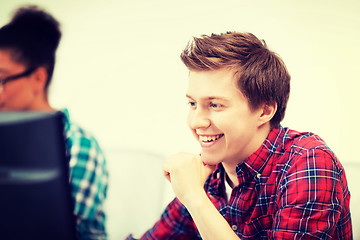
187,175
210,223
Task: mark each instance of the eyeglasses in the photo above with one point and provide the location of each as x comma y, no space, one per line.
26,73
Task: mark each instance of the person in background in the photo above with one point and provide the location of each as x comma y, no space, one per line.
254,178
28,45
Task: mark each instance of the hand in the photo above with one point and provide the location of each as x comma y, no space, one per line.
187,175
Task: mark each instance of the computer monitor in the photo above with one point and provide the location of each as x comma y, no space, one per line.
35,198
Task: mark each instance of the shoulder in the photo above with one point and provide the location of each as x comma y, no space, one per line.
303,141
307,153
78,136
77,133
305,144
308,159
79,141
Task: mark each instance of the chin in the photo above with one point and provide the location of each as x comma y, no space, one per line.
210,159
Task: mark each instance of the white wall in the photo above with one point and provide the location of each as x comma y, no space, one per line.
118,68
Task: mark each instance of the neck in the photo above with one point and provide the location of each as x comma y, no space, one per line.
231,176
256,143
41,103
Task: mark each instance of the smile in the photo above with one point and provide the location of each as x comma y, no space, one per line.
208,139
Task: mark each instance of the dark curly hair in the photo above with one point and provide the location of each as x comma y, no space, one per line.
32,37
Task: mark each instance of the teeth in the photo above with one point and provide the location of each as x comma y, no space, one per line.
209,138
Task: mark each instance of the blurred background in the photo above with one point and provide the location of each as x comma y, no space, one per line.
119,73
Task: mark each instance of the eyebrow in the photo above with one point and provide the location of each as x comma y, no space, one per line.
211,98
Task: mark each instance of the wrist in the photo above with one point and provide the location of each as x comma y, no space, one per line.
195,200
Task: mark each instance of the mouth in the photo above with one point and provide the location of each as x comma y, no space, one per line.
209,140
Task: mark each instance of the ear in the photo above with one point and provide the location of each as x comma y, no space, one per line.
267,112
39,78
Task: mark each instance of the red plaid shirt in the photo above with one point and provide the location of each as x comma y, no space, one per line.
292,187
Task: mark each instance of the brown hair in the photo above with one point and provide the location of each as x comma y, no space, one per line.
261,74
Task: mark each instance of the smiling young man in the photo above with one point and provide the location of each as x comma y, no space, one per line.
254,179
28,45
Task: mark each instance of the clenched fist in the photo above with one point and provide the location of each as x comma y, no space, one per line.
187,175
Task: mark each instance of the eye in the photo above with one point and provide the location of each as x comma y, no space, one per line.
192,104
215,105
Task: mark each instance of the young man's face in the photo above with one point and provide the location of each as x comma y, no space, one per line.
220,117
18,94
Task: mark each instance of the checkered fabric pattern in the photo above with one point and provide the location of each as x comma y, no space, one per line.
88,180
292,187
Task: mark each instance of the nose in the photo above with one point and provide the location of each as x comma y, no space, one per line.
198,118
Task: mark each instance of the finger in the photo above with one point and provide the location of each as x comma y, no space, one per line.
167,176
167,169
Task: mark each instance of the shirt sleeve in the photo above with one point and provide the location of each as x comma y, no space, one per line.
175,223
313,201
88,180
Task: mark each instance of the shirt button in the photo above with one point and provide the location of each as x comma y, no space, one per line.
234,227
211,197
258,175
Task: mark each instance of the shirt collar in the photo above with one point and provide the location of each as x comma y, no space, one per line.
215,181
254,164
258,160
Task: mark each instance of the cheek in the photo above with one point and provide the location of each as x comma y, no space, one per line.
17,96
8,95
236,132
226,123
13,92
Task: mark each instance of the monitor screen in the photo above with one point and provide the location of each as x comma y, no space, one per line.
35,198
